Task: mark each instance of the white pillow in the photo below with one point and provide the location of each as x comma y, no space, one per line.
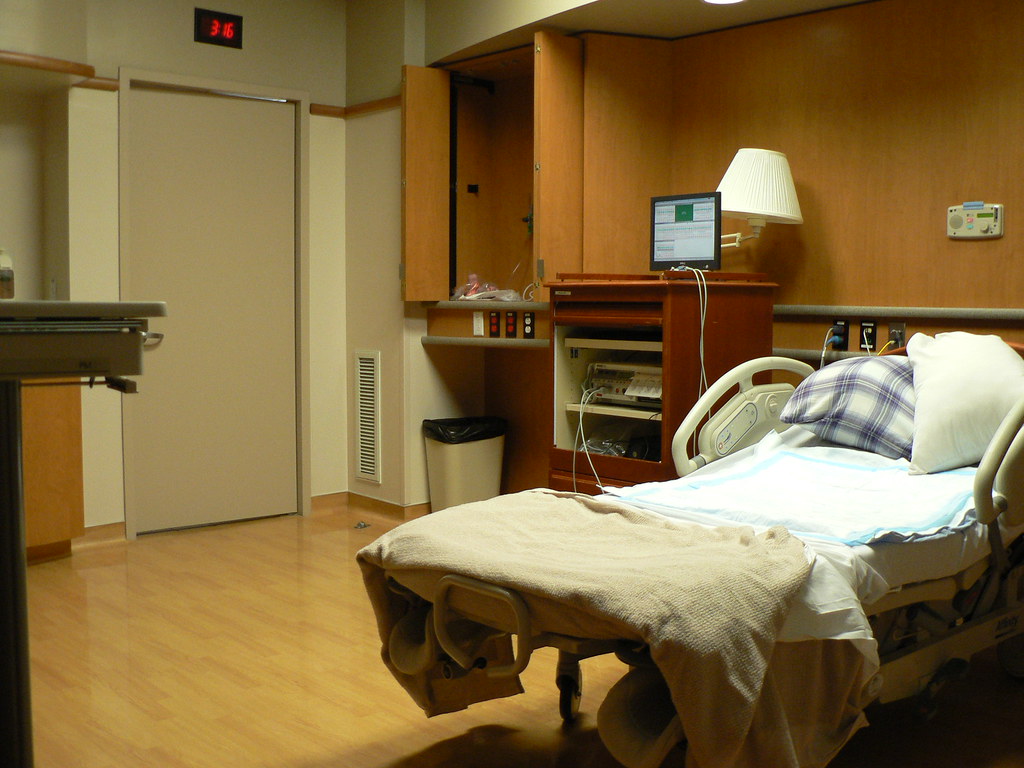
964,384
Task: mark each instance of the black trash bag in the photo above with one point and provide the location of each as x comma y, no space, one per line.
465,429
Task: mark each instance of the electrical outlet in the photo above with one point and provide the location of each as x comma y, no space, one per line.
529,331
898,334
841,329
868,335
478,323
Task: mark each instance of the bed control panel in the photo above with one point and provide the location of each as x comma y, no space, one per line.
974,220
737,427
746,420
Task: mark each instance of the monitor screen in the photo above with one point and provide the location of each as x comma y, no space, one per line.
686,231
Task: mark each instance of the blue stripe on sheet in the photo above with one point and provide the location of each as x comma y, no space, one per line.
819,496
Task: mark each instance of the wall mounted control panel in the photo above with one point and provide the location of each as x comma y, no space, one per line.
974,220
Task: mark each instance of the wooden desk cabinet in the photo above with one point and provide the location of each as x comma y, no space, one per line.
643,322
51,423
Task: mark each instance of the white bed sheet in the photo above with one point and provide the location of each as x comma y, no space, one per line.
845,577
818,492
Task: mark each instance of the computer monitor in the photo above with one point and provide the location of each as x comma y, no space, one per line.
686,231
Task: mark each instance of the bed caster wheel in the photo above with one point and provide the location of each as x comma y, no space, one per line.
570,691
1010,653
927,701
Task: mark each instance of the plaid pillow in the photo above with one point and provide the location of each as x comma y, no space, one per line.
861,402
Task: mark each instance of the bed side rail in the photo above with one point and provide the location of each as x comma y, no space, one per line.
747,417
468,659
999,482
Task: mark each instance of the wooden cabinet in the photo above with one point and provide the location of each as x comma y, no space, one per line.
647,324
492,170
51,419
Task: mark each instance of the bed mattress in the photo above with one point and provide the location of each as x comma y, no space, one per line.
943,543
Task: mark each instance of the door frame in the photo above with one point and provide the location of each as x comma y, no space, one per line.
129,77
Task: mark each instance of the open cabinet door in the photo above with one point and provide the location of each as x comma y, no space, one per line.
558,155
426,99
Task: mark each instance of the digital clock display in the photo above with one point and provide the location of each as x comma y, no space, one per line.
218,28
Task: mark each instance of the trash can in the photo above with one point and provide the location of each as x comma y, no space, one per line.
463,459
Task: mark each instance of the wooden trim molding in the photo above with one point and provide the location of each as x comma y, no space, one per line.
100,84
47,64
326,110
368,107
332,501
42,553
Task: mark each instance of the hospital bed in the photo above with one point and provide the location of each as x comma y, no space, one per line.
886,601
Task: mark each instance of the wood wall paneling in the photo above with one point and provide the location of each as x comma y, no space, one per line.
495,150
518,388
558,154
425,171
628,140
472,235
888,113
52,467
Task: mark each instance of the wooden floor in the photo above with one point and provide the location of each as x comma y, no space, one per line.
252,644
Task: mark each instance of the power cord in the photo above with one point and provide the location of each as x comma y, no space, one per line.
864,339
702,298
831,337
589,393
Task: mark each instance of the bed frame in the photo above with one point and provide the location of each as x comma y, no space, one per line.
926,632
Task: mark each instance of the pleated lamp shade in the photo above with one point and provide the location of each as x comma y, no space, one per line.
758,186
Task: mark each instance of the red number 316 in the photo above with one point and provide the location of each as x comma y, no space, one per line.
222,29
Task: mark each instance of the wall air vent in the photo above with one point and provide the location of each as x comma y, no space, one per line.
368,415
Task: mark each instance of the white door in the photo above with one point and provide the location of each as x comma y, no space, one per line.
208,225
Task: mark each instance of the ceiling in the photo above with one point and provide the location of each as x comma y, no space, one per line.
656,18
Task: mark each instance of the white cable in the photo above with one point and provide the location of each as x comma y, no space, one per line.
585,390
702,298
824,346
581,438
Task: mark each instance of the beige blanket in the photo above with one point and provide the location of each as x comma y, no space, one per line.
709,602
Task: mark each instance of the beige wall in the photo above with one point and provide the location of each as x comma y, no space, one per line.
452,25
375,48
22,153
296,45
329,381
54,28
35,160
373,247
416,383
93,273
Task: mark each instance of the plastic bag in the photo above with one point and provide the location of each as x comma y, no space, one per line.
464,429
636,441
473,286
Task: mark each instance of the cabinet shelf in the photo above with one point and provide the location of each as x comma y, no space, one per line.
621,411
625,345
